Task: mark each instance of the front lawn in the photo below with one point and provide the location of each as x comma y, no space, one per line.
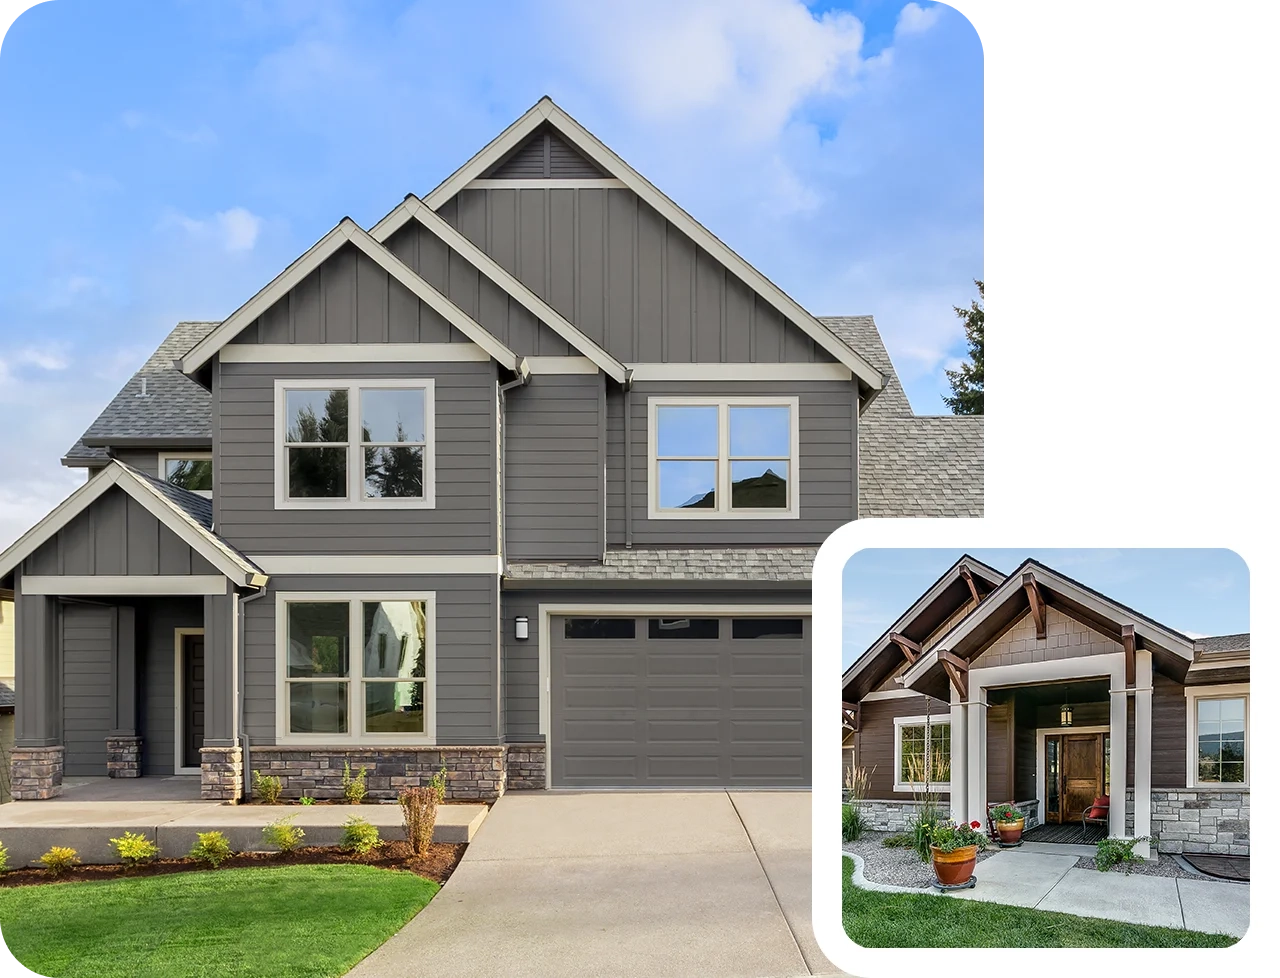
874,919
285,922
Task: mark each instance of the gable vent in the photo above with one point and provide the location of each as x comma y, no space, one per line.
544,155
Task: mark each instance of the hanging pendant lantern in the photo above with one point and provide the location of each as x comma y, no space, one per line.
1064,714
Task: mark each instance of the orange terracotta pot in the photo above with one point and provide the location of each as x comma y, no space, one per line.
1010,832
954,868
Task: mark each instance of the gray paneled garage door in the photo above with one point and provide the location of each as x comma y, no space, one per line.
670,702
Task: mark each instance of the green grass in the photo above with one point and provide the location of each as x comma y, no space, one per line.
285,922
874,919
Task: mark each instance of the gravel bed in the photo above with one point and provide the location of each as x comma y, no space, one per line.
1165,865
900,867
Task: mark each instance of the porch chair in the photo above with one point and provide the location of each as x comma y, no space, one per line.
1098,813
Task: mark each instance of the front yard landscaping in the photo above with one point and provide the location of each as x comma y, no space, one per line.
874,919
283,922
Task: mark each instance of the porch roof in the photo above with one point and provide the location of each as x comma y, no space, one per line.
188,515
1172,652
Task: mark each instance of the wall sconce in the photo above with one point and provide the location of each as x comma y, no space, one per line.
522,627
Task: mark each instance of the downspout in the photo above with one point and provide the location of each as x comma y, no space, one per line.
522,378
626,452
241,732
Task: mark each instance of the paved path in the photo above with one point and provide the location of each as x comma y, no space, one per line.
651,884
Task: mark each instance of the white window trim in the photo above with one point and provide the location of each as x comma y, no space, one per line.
1226,691
165,457
355,678
355,453
723,480
939,720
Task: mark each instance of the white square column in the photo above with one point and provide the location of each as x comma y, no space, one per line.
959,758
1142,751
1119,750
976,752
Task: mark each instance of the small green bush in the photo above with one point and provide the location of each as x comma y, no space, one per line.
267,787
306,800
359,836
135,849
353,788
4,859
1113,852
852,823
283,834
213,848
902,840
59,859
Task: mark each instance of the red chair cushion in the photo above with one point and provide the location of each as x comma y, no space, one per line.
1100,806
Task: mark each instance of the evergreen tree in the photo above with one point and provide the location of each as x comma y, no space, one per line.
966,383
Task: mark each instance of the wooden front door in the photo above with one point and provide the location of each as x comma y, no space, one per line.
1074,772
192,699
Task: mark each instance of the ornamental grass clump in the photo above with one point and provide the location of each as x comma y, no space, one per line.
134,849
283,834
359,836
419,808
213,848
59,859
853,819
4,859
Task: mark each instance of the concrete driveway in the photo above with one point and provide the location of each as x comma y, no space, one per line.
650,884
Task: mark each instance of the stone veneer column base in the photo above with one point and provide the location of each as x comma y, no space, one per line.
124,757
1212,820
221,773
35,773
526,767
475,773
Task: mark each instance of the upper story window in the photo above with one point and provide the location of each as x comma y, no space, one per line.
355,444
1217,728
723,458
192,471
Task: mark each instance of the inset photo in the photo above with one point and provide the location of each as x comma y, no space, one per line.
1045,748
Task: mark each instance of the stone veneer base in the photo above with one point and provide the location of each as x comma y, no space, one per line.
35,773
889,815
1210,820
221,774
124,757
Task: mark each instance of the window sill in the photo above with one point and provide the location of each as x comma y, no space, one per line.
756,514
347,506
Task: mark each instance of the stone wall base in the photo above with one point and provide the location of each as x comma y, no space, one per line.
526,767
124,757
474,773
35,773
221,774
1207,820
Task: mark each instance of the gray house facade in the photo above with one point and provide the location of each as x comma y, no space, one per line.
525,480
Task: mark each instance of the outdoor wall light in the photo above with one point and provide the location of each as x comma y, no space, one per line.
522,627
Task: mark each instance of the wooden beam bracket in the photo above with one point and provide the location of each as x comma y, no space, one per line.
1036,600
850,711
973,585
1130,643
957,670
909,648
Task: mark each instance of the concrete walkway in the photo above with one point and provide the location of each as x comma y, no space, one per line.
652,884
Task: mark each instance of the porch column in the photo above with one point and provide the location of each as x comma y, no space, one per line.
976,744
124,746
1119,750
959,758
1142,750
37,751
221,771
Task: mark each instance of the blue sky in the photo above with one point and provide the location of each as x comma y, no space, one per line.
1196,592
169,157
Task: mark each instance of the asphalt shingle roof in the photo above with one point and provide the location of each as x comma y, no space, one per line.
174,406
737,564
1223,643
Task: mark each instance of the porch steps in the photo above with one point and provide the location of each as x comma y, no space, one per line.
29,828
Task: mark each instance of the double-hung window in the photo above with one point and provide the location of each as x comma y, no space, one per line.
724,458
356,668
922,753
1217,735
355,444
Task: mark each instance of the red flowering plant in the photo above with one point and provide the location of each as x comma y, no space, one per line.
1004,812
948,836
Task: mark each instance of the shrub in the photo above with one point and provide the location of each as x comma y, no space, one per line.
213,848
419,808
283,834
267,787
902,840
359,836
1112,852
353,788
852,823
134,849
59,859
4,859
306,800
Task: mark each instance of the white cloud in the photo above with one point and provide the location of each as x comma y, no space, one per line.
915,19
233,230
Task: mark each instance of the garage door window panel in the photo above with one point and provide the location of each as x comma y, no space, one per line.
599,628
684,628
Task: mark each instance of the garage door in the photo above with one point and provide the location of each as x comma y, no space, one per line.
671,702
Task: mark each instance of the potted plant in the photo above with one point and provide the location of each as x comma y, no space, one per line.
955,851
1009,823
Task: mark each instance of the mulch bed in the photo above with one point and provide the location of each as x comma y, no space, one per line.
438,864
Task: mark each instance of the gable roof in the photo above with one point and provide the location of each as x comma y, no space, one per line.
412,208
188,515
547,112
346,231
175,410
943,598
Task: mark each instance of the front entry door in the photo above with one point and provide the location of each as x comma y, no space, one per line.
192,699
1074,771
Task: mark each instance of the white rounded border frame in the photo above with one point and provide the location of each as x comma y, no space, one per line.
970,534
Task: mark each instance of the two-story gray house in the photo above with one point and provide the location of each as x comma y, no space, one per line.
526,479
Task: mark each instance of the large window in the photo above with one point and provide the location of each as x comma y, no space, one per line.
355,444
381,692
1217,722
723,458
192,471
922,753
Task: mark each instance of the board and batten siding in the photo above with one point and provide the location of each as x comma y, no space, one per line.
463,520
827,435
621,273
466,693
554,450
114,535
874,741
88,634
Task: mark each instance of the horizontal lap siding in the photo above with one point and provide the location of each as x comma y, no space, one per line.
826,469
874,741
553,464
87,639
158,620
1168,733
466,650
463,520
